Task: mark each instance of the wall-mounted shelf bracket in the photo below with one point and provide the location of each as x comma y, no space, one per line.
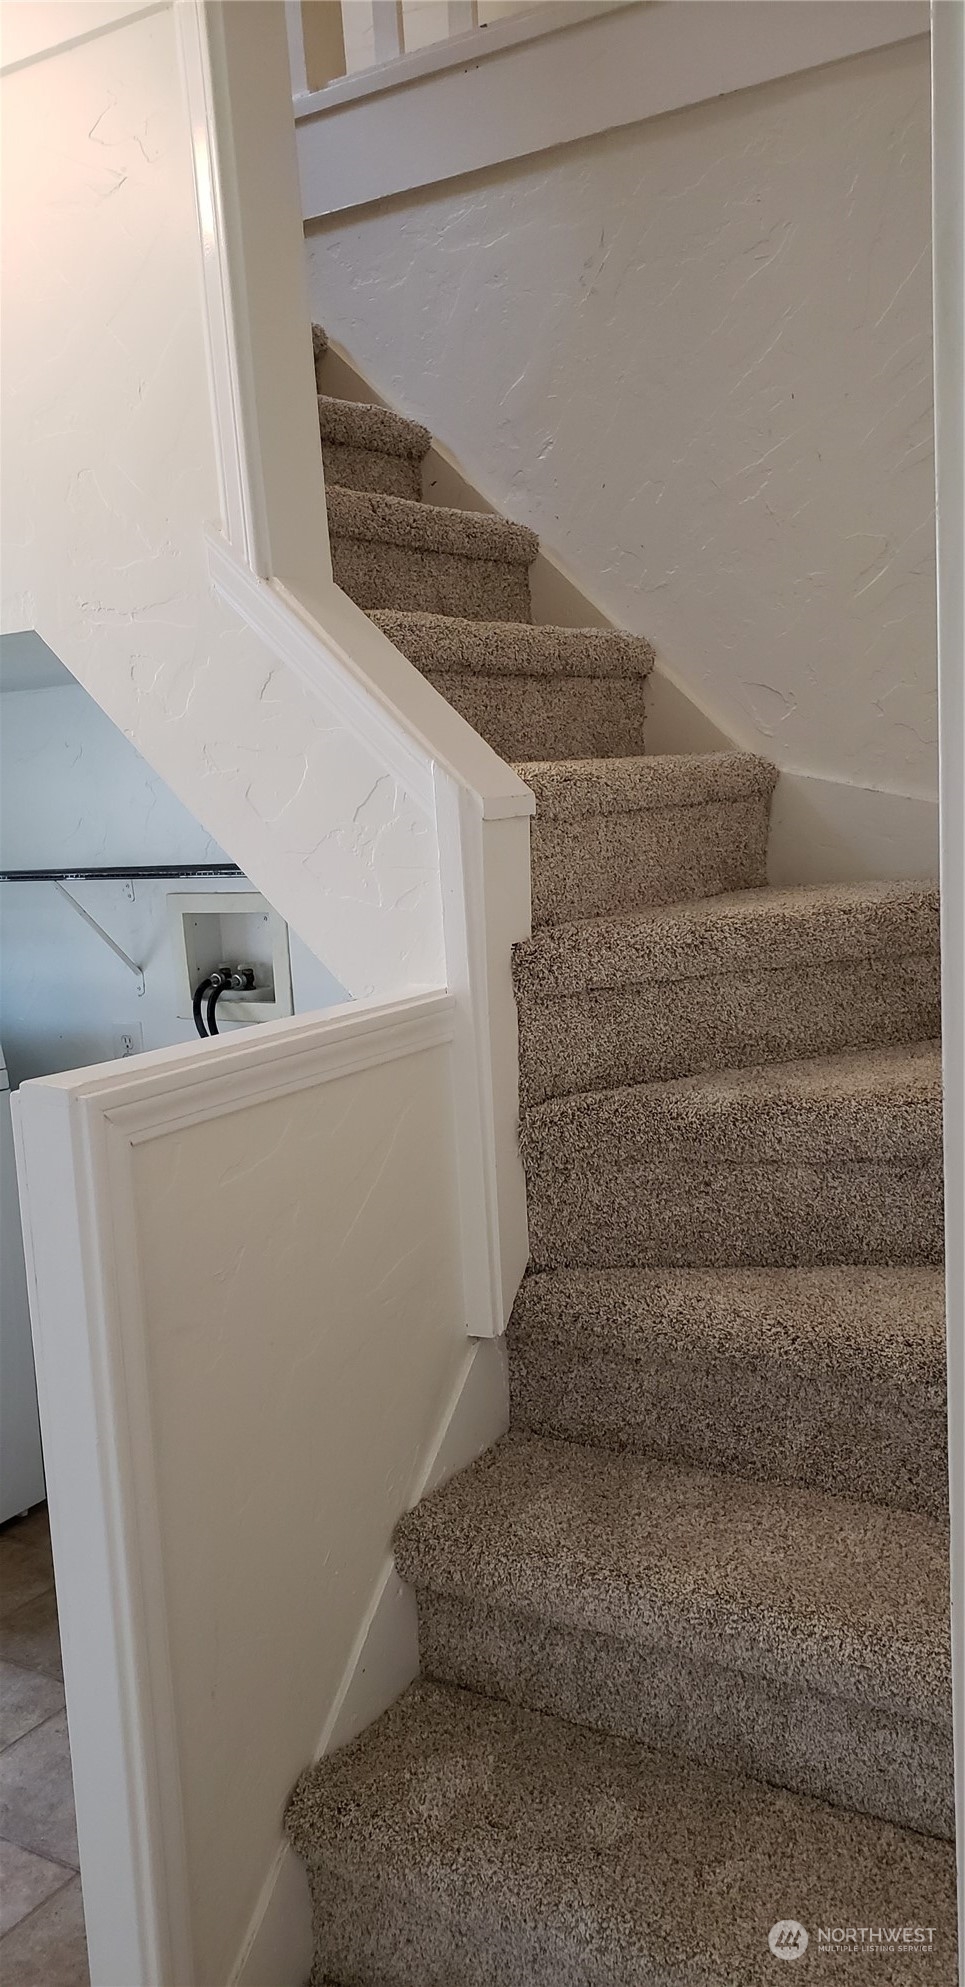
131,964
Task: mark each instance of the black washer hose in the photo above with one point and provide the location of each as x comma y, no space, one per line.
213,998
198,1001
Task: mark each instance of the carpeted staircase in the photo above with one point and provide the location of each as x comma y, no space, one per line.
684,1632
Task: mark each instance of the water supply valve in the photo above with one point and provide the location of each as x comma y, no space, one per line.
225,978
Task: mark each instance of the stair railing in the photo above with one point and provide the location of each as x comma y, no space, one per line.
329,39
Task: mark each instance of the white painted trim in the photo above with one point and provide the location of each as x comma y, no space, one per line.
475,1415
238,83
296,49
277,1950
460,831
133,1861
472,1093
388,33
594,71
462,16
241,516
533,23
74,1137
177,1086
485,911
948,261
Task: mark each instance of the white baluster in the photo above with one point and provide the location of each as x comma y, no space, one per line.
388,34
296,47
461,15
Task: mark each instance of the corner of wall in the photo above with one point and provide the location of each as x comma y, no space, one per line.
675,723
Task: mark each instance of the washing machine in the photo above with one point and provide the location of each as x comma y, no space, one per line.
21,1461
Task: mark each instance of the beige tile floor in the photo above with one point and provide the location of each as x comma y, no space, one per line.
42,1942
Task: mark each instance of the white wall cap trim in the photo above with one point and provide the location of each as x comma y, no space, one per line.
326,658
184,1084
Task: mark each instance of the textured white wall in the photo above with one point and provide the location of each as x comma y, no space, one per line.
73,790
109,480
695,355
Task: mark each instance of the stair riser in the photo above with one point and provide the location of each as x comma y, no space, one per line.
570,717
648,1034
619,862
375,574
368,469
874,1762
600,1216
753,1418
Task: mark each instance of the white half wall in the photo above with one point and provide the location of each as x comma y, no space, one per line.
695,355
335,1346
232,1428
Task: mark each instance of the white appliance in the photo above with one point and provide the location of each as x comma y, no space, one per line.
21,1460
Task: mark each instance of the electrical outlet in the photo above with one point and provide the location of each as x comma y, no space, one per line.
129,1040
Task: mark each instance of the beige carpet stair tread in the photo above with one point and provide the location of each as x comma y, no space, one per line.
794,1585
440,643
701,1588
743,978
873,1104
418,527
831,1378
358,424
884,1324
612,835
739,932
566,790
463,1843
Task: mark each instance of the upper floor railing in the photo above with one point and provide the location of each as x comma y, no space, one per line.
330,39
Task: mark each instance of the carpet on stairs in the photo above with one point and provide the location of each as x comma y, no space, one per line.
684,1632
